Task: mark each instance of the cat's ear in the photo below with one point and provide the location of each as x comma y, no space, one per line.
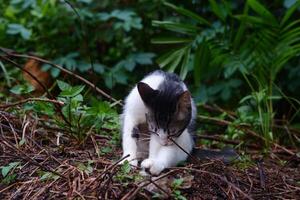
146,92
184,105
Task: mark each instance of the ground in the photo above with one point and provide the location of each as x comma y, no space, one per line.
35,165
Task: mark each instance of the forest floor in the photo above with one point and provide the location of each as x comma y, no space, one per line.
37,163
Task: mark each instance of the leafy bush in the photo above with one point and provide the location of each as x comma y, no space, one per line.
253,46
82,36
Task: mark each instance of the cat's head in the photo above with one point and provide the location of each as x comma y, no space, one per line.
169,110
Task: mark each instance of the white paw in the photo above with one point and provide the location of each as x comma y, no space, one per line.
153,166
147,163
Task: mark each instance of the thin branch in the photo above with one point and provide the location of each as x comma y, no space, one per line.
218,176
31,99
36,79
92,85
243,127
223,140
185,151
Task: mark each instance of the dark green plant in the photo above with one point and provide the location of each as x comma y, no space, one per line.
57,32
253,46
125,174
176,193
7,172
83,119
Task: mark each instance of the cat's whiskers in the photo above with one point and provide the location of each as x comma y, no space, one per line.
152,132
145,139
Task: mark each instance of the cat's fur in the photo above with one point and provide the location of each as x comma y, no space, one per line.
163,102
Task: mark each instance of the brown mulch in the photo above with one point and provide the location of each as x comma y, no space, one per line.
77,171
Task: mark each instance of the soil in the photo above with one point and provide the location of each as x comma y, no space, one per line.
48,170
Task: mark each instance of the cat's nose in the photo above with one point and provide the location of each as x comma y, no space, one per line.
164,142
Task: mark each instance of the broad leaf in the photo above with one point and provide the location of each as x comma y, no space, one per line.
72,92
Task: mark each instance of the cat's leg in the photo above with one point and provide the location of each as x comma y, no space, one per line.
169,156
128,141
154,147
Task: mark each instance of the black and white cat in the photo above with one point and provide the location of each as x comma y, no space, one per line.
162,101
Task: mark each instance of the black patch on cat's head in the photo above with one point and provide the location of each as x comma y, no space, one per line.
166,102
147,93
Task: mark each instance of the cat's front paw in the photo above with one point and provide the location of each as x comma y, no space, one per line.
153,166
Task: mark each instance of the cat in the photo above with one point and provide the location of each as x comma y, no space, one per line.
162,102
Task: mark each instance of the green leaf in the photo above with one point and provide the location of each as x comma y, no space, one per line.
184,66
63,85
125,168
178,55
105,150
289,13
217,10
201,61
48,176
176,27
99,68
177,182
6,169
170,57
14,29
22,89
262,11
170,40
6,75
72,92
144,58
188,13
252,20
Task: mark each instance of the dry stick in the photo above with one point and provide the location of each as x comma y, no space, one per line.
191,156
25,70
216,108
219,139
31,99
262,176
133,192
39,82
247,130
215,175
84,35
29,159
108,168
8,187
156,185
64,70
49,155
11,128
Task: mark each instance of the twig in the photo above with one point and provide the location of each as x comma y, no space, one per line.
262,176
25,70
243,128
190,155
58,107
216,108
108,168
131,194
92,85
163,190
227,141
29,159
215,175
31,99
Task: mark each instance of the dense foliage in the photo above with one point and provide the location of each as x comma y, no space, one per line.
243,56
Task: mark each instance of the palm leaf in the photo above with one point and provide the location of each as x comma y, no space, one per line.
176,27
188,13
